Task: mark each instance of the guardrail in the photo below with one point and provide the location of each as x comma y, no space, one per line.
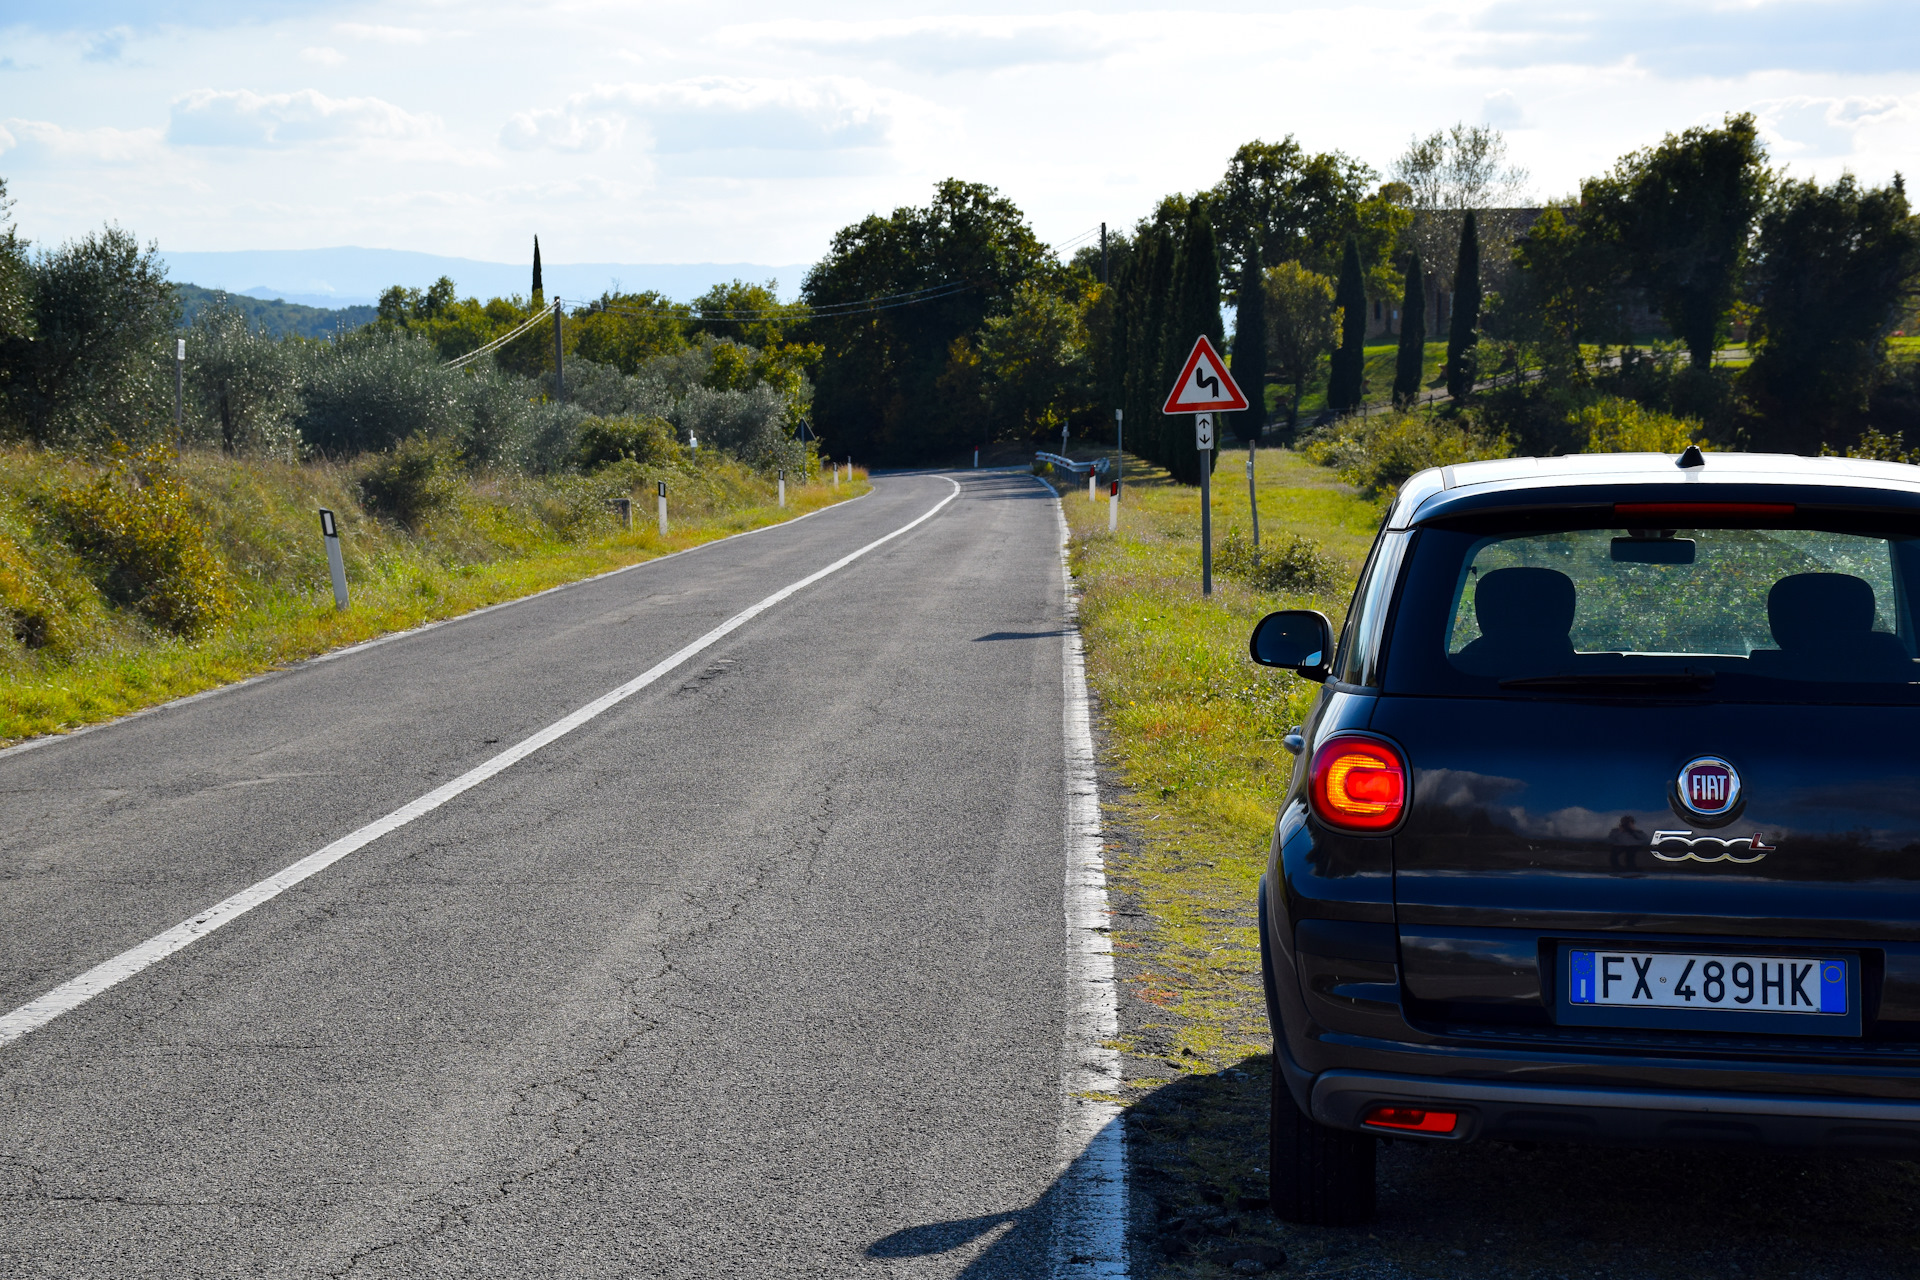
1098,466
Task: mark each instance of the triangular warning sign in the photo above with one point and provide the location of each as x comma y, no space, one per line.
1204,385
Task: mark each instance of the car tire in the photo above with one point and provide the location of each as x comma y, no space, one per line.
1317,1174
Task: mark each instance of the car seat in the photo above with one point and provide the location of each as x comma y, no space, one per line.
1526,618
1823,625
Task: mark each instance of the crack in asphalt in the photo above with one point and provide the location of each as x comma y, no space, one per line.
574,1087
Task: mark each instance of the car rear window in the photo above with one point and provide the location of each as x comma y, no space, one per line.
1790,613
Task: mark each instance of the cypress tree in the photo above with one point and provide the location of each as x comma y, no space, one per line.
1347,374
1413,336
1147,304
1250,345
537,290
1463,327
1195,310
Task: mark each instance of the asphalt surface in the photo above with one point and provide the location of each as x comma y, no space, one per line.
758,973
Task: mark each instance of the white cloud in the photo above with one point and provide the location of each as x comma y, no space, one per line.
107,46
1503,111
240,118
32,143
943,44
1810,128
713,113
323,55
383,35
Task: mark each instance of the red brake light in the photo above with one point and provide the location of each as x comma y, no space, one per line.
1411,1120
1692,515
1357,784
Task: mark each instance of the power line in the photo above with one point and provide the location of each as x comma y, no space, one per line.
471,356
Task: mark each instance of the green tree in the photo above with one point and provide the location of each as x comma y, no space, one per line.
1682,214
539,289
1251,345
1035,359
98,364
1564,295
1463,326
1149,292
16,294
1346,377
1194,311
1302,326
1289,204
626,330
888,300
1837,266
241,383
1410,358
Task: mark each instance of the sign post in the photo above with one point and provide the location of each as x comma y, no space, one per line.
1203,389
330,534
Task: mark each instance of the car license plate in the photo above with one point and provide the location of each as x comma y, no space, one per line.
1686,980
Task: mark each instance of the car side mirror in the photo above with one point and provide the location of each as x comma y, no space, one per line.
1296,639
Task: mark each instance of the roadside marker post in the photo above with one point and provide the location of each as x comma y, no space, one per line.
1113,507
330,534
663,508
1203,389
179,380
1119,446
976,459
1253,496
783,487
1092,493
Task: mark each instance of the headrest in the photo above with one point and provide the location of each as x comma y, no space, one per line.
1510,601
1807,609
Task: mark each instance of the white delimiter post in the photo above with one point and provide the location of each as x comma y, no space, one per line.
330,534
1113,507
1203,440
1092,495
663,508
783,487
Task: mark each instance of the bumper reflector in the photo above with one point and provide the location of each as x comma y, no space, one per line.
1411,1120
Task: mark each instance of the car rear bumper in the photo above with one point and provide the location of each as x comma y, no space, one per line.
1639,1117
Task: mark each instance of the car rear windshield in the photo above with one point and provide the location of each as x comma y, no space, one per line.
1793,614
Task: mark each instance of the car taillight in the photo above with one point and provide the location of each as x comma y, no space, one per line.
1357,784
1412,1120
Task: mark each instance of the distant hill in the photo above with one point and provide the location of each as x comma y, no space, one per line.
276,316
349,276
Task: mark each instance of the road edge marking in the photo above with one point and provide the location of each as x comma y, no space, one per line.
74,992
1089,1236
47,739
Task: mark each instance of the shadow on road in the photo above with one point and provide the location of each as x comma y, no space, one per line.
1198,1146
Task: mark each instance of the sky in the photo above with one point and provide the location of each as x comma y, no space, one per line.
750,132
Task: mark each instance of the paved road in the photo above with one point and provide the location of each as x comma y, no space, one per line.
758,973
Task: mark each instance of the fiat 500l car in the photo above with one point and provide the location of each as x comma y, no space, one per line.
1606,824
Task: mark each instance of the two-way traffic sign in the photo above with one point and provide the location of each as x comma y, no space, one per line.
1204,385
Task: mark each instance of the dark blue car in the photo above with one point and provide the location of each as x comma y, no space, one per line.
1606,824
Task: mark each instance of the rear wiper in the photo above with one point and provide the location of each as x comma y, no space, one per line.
1693,679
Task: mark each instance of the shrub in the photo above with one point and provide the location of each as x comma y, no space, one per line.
416,479
136,529
1299,566
371,390
1377,453
640,438
1616,425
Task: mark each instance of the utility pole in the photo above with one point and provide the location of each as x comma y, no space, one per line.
1103,253
179,379
1119,449
559,373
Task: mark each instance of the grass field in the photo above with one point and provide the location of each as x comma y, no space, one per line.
502,537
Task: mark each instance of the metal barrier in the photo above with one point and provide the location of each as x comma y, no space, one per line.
1098,466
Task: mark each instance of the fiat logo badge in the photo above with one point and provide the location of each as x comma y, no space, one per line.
1708,787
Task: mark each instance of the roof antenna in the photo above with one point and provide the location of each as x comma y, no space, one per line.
1691,457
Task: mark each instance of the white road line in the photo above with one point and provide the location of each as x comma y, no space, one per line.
77,991
34,743
1090,1218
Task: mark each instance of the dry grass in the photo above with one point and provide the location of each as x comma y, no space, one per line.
507,537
